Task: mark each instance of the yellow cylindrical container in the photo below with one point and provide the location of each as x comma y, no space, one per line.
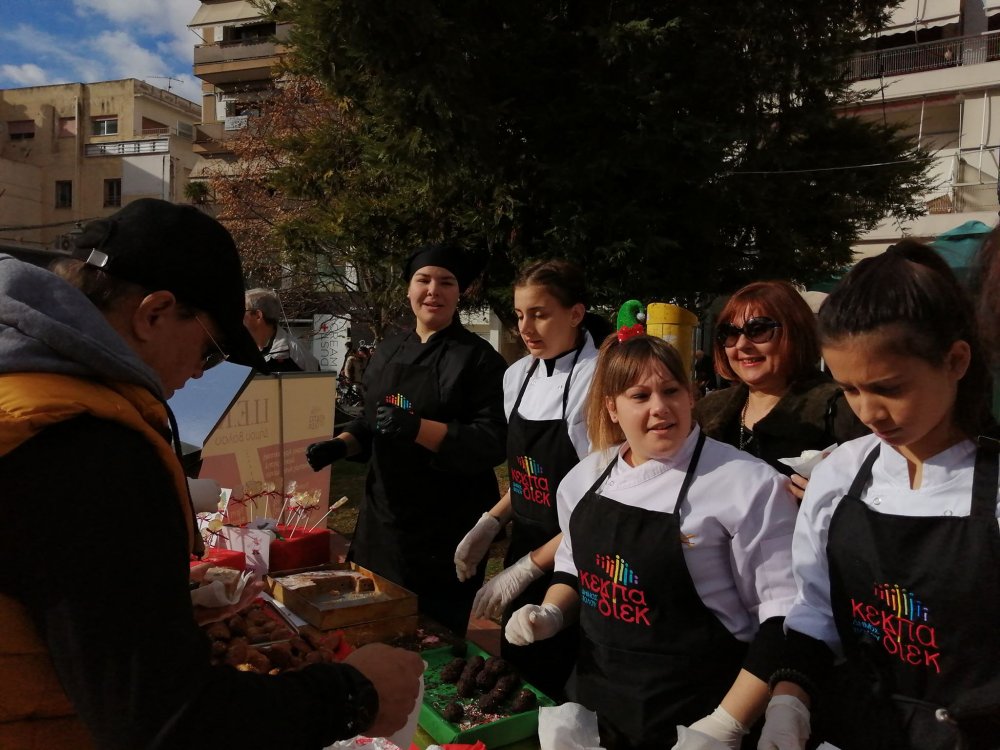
675,325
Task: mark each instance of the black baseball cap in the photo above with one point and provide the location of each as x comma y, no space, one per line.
165,246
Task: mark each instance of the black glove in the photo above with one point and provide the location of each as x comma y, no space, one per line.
399,424
320,455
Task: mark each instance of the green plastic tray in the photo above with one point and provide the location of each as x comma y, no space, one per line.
438,694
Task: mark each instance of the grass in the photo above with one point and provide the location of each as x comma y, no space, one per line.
348,478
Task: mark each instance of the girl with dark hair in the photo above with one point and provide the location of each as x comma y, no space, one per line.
544,397
675,556
897,549
782,404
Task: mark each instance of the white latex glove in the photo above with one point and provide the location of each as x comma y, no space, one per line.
533,623
720,725
786,726
474,546
492,599
690,739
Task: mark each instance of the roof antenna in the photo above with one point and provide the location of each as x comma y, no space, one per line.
168,79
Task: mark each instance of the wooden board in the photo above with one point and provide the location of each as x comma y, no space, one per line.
395,604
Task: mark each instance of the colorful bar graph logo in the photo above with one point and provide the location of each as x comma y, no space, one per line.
904,603
617,569
530,466
398,399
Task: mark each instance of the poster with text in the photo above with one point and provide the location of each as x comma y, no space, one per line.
259,448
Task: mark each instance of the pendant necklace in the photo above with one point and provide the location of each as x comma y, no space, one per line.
746,435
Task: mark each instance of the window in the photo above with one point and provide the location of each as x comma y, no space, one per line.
105,125
21,130
112,193
67,127
248,32
64,194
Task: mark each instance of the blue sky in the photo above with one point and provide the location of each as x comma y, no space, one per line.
69,41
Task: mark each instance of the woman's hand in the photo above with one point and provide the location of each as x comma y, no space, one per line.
786,726
492,599
474,546
534,623
797,486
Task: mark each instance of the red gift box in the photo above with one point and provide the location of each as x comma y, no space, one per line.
223,558
299,548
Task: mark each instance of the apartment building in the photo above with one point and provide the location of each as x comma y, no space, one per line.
236,61
78,151
935,71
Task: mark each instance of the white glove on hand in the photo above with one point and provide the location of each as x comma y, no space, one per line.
533,623
492,599
721,725
474,546
689,739
786,726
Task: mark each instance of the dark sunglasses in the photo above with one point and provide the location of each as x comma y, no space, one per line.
757,330
214,355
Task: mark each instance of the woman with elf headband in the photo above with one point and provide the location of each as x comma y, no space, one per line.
675,558
432,431
897,549
544,397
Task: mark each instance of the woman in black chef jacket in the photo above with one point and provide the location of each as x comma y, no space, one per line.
897,550
544,398
432,432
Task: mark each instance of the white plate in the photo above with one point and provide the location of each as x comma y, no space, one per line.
803,465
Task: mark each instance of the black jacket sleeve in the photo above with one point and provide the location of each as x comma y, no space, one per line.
477,438
93,544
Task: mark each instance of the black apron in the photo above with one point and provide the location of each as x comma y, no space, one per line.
916,601
539,454
414,516
652,655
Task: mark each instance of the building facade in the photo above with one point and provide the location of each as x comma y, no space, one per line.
237,62
78,151
935,72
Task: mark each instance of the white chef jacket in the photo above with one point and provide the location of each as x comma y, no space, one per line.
543,398
737,520
946,490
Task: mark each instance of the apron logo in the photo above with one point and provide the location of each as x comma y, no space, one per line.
900,621
529,481
614,591
398,399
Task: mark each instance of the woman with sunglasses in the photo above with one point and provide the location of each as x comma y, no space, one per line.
782,404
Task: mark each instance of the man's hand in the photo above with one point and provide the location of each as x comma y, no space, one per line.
396,675
321,455
396,423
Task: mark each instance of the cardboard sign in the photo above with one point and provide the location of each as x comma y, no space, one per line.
262,441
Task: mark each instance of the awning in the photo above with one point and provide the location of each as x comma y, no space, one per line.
923,14
215,14
991,7
959,247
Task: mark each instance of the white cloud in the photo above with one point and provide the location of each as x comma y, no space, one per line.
54,55
158,18
24,75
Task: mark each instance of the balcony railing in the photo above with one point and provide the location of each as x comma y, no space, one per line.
914,58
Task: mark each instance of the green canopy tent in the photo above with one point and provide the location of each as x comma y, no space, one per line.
959,247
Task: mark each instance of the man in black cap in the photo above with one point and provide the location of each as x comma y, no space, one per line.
98,644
